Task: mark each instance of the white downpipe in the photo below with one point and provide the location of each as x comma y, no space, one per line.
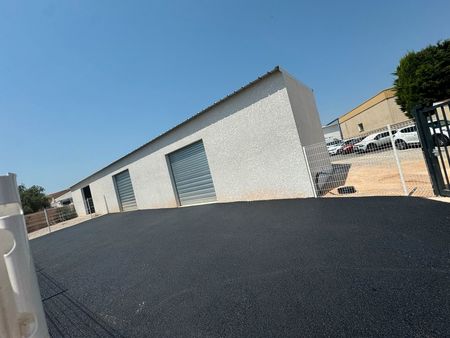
397,160
21,310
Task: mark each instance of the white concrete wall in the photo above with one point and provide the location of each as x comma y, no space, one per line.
78,203
252,144
309,129
305,111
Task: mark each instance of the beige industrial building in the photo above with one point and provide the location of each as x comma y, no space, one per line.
376,112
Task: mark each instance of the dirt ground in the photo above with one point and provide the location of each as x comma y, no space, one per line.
378,174
59,226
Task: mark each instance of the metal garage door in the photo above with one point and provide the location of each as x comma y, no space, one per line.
125,191
191,175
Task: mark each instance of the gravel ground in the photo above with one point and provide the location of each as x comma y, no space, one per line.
377,173
59,226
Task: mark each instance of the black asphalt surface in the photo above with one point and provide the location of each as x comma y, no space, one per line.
287,268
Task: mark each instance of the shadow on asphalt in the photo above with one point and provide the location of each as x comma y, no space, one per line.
66,317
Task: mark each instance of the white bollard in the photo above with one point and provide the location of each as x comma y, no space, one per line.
21,310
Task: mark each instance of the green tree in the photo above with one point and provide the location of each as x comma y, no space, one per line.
423,77
33,198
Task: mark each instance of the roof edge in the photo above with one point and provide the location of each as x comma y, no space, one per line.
384,91
58,193
201,112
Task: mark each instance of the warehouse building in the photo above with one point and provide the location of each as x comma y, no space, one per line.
332,131
374,113
247,146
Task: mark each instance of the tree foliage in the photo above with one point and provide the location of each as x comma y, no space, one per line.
423,77
33,198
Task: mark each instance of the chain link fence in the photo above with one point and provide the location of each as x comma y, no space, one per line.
48,217
384,162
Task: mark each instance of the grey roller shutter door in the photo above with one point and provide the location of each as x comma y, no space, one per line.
191,175
125,191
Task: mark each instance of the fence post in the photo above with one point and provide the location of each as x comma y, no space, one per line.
311,180
106,204
46,220
397,160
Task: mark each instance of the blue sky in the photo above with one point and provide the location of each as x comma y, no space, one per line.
84,82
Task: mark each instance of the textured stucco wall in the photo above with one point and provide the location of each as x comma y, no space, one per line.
310,131
251,141
305,111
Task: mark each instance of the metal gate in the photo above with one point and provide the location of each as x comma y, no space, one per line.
125,191
191,175
433,125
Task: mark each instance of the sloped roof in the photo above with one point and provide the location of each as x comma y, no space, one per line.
381,96
193,117
58,193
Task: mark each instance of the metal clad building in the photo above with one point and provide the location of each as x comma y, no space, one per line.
247,146
332,130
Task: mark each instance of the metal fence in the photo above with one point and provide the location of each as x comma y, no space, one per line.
47,217
89,204
434,129
385,162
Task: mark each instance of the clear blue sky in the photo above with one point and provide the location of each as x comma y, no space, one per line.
84,82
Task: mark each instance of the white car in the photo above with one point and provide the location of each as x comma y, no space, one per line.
374,142
440,132
334,147
407,136
331,140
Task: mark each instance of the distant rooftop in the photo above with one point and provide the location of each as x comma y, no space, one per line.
381,96
58,193
277,69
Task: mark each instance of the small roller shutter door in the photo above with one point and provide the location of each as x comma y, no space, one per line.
191,175
125,191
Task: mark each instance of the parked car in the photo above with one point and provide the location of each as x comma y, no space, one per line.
348,146
440,132
332,140
374,141
334,149
407,136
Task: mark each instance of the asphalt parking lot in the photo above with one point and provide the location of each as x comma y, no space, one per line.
309,267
